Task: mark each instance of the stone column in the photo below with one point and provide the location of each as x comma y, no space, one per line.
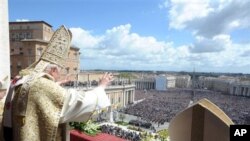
4,46
133,92
124,98
244,89
5,55
130,95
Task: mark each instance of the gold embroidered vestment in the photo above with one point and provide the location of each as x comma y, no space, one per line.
43,108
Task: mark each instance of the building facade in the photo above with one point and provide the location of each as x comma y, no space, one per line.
240,89
221,84
29,39
146,83
182,81
161,83
120,96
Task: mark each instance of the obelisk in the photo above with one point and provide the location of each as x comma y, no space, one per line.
4,46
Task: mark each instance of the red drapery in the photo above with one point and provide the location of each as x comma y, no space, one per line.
79,136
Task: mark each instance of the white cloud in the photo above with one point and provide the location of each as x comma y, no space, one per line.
208,17
22,20
83,38
216,44
183,11
119,48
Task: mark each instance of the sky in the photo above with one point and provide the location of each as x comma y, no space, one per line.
166,35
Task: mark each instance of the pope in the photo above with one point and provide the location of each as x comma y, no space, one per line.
36,106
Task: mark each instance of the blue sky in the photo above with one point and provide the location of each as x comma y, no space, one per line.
210,35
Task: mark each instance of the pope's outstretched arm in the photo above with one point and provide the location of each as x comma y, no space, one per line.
79,106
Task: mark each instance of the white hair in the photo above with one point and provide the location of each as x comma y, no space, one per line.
52,66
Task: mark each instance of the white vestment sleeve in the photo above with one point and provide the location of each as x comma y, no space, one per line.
78,105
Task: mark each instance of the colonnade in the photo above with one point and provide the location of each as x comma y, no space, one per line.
140,85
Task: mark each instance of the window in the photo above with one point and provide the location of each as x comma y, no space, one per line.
19,64
24,35
12,50
21,53
20,49
21,35
29,51
28,35
39,51
119,99
112,100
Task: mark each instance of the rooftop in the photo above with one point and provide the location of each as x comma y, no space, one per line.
30,22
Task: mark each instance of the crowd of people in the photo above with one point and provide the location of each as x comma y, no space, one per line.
158,106
119,132
236,107
140,123
162,106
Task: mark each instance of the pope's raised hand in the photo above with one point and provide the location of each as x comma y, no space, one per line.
105,80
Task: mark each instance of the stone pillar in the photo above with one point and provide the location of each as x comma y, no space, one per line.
127,97
110,110
4,46
133,95
124,97
130,95
244,89
5,56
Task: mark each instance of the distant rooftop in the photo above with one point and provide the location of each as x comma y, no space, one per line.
30,22
75,47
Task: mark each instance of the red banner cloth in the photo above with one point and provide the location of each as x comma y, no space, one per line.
79,136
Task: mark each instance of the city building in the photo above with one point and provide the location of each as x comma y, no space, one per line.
144,83
225,85
29,39
221,84
240,89
182,81
161,83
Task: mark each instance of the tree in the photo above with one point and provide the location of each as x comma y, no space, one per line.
122,116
